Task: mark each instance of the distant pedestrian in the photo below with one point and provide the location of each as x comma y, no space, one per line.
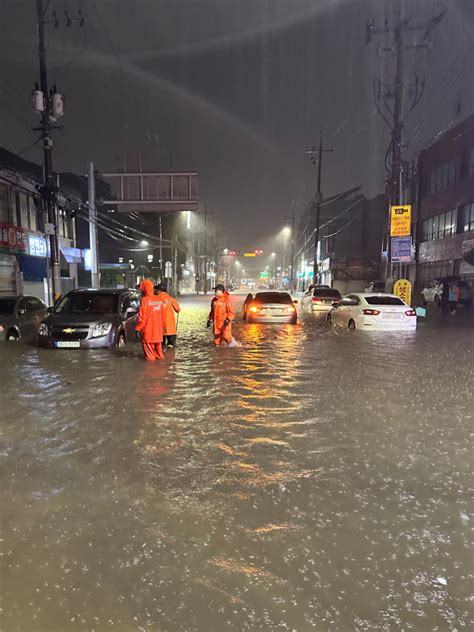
445,298
171,309
151,322
453,299
221,316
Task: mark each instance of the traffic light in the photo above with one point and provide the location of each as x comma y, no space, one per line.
232,253
259,251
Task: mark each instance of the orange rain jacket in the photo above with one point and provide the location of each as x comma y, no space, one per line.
222,308
171,307
151,316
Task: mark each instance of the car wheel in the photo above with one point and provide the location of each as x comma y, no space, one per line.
423,301
437,301
351,324
13,335
121,342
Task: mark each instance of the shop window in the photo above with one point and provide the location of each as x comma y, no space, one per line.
467,217
4,205
442,177
32,213
440,226
22,215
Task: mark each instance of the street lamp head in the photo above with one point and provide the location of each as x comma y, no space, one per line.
144,243
237,263
274,254
287,231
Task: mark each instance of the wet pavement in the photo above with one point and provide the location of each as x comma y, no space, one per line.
310,480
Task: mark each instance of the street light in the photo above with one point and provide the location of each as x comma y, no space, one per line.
144,243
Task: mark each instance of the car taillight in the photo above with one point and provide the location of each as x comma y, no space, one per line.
371,312
410,312
253,308
291,309
316,300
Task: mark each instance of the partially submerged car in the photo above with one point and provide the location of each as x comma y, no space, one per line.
91,319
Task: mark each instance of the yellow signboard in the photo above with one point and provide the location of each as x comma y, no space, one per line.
402,289
400,221
249,254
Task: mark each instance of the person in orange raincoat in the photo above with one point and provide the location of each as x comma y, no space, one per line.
221,316
171,308
151,322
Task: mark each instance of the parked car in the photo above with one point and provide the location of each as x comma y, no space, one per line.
432,293
375,286
20,317
272,307
320,300
373,312
91,319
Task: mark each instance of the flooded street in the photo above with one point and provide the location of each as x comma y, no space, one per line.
310,480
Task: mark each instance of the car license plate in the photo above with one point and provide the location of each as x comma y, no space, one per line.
67,344
392,316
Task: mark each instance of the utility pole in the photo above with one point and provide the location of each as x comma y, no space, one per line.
93,240
292,251
311,152
43,104
205,249
395,116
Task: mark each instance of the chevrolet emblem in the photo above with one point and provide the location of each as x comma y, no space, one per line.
69,330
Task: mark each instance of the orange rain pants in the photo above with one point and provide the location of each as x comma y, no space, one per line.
222,309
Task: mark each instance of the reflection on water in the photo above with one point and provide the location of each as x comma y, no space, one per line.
310,479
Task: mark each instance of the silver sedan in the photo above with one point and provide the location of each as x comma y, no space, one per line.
272,307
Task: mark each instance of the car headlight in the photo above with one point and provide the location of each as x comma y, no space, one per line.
101,330
43,330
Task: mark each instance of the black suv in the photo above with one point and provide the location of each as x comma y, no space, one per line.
91,319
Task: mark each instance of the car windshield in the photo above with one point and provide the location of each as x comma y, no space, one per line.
383,300
89,303
323,293
273,297
7,306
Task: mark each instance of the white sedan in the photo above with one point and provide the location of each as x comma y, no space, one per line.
383,312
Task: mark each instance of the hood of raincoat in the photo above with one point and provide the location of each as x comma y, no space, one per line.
146,287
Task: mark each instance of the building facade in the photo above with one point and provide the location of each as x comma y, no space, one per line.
445,206
24,246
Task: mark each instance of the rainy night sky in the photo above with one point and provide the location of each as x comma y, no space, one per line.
233,88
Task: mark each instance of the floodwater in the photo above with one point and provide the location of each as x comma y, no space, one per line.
310,480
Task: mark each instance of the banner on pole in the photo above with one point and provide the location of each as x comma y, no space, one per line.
401,250
400,221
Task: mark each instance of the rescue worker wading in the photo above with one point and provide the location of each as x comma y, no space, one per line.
151,322
221,316
171,308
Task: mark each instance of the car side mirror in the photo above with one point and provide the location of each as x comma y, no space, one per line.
335,304
22,311
295,302
130,312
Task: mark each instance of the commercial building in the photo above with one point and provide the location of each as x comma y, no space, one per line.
348,253
24,246
445,205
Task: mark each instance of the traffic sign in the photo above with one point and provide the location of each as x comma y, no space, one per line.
400,221
402,289
401,250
